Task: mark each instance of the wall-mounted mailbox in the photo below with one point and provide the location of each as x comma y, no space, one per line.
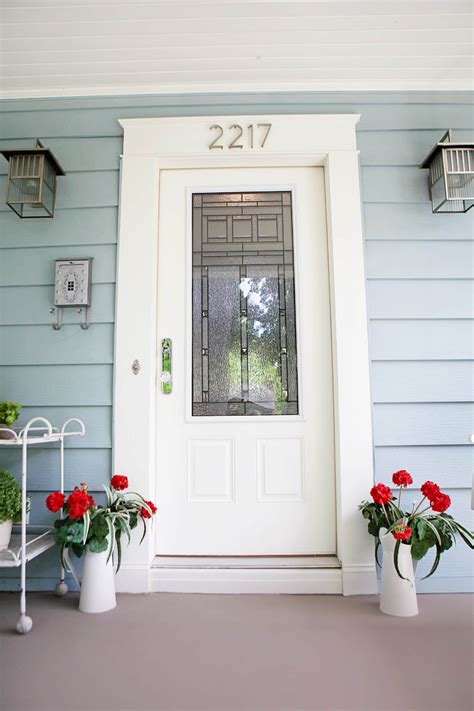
72,288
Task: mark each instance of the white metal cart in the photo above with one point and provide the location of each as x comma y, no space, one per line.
31,541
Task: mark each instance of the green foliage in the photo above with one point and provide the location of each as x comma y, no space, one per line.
98,545
100,528
9,412
435,530
10,497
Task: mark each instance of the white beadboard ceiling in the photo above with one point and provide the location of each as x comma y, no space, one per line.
97,47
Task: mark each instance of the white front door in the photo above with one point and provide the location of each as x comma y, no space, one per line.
245,441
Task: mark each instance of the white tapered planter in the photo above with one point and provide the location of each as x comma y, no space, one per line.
98,583
5,534
397,596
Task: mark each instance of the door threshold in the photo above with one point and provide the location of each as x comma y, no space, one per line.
246,562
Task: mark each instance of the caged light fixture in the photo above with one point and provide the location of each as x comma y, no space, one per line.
32,177
451,176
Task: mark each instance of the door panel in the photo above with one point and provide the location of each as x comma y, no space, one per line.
245,461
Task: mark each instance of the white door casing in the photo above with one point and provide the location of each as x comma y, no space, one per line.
152,145
246,485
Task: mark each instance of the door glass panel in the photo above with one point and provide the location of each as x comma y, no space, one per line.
244,321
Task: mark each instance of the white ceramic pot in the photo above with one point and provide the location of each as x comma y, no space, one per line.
5,534
98,583
397,596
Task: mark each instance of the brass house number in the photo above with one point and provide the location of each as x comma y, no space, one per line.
236,136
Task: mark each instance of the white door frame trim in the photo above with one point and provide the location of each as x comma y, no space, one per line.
155,144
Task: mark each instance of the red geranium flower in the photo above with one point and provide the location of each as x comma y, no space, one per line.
78,503
430,490
146,514
119,482
402,478
55,501
441,502
381,494
402,532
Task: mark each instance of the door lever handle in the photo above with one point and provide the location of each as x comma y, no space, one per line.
166,376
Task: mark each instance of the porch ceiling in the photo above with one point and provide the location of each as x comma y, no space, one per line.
97,47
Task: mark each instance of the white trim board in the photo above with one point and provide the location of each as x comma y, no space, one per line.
300,581
244,563
152,145
117,90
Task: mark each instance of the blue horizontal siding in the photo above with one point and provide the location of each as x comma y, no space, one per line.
97,421
420,298
38,262
90,465
400,147
71,227
413,381
30,305
415,221
79,154
93,153
423,423
419,267
40,345
449,465
95,122
420,339
412,260
31,385
95,189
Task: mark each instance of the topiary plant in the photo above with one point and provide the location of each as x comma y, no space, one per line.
10,497
9,412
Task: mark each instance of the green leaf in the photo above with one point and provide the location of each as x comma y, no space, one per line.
419,549
436,561
395,559
98,545
78,550
75,532
421,528
99,527
373,528
60,535
119,550
377,546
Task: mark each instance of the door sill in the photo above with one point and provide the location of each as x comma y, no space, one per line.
301,575
246,562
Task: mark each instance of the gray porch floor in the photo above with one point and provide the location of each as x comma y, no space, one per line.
229,652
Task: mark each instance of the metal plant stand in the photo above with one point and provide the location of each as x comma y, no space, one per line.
32,541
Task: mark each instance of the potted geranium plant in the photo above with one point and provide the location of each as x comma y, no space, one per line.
407,536
9,413
96,532
10,506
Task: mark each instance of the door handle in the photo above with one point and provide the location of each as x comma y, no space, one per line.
166,376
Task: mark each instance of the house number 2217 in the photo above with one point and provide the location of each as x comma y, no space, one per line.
235,136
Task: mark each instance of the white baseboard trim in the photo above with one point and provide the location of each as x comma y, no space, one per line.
351,580
250,581
133,579
359,580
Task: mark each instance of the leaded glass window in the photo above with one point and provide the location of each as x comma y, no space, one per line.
244,321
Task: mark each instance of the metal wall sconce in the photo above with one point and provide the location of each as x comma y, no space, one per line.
451,176
32,177
72,289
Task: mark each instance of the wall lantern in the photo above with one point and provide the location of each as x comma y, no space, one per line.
451,176
32,181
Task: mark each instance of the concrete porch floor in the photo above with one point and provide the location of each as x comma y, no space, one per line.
228,652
